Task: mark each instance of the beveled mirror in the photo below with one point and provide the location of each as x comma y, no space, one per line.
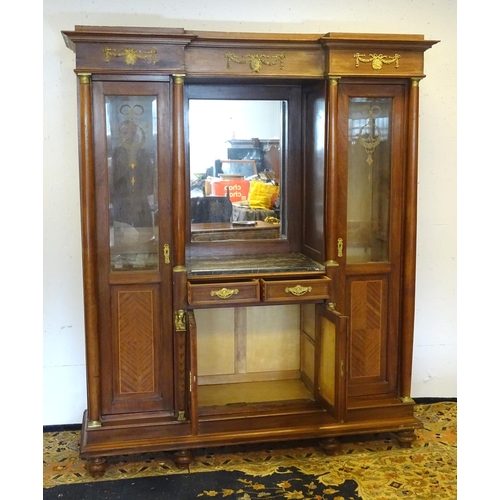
238,159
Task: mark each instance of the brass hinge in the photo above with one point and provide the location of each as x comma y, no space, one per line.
182,416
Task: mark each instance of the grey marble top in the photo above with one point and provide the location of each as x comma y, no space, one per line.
259,264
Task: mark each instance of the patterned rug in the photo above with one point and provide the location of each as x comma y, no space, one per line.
370,467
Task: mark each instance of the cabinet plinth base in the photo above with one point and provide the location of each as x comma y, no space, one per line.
183,458
298,421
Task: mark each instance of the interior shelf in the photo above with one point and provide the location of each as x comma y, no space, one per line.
252,392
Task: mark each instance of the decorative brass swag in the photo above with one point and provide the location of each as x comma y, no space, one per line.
256,60
377,60
130,55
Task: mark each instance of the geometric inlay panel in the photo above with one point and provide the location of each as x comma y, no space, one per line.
366,339
136,342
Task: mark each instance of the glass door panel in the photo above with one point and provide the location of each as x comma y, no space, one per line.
369,173
132,149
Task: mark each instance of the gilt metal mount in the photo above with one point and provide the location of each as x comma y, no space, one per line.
224,293
180,320
256,60
377,60
298,290
131,55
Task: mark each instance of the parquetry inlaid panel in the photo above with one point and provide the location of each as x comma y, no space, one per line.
136,341
366,328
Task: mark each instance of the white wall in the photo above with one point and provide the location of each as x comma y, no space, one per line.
435,375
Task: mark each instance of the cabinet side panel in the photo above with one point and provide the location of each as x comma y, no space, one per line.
314,173
307,353
216,342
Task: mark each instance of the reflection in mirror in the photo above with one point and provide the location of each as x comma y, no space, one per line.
235,159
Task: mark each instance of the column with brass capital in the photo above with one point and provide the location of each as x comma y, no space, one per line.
89,247
179,175
410,242
179,195
331,183
179,257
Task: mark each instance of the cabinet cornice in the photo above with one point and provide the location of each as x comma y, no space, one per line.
119,50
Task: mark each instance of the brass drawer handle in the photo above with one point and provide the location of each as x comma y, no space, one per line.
224,293
298,290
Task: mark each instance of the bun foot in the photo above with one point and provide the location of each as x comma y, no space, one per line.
96,467
406,437
183,458
329,446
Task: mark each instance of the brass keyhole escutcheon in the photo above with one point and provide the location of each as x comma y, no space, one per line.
340,247
166,253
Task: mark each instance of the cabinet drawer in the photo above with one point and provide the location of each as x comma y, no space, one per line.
296,290
219,294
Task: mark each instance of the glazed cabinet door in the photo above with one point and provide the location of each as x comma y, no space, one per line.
133,205
371,164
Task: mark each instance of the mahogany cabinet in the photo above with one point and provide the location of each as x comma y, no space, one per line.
249,236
